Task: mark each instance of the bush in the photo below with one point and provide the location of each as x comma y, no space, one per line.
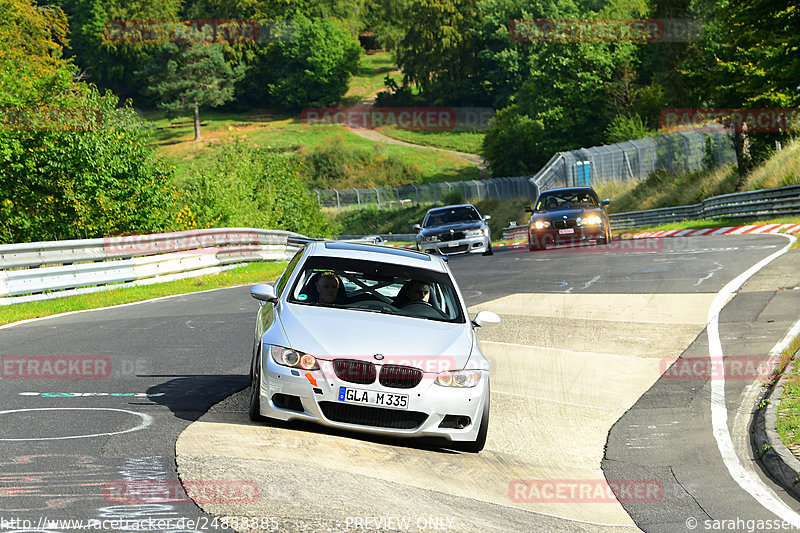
253,187
336,165
93,177
313,65
513,146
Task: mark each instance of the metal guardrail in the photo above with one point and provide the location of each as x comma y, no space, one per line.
765,203
429,193
89,265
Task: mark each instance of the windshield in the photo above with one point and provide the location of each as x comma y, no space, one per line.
451,215
376,287
566,200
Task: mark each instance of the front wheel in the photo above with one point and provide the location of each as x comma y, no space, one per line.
255,390
489,250
480,441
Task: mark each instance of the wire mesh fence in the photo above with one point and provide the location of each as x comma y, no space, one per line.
431,193
676,152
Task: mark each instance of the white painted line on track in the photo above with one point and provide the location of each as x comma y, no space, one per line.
719,410
147,420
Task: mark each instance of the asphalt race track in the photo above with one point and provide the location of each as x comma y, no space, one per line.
600,377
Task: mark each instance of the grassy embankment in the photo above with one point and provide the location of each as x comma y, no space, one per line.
265,127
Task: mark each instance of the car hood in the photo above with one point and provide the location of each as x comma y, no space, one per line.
458,226
569,213
328,333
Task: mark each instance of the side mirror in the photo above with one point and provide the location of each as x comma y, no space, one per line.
606,202
528,209
486,318
264,292
487,217
417,227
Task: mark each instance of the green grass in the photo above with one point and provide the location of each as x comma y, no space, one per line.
780,170
175,141
370,77
788,423
461,141
246,274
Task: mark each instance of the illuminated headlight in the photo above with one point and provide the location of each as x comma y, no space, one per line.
461,378
292,358
592,220
432,238
541,224
475,233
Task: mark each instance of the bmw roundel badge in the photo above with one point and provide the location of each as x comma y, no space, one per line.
379,356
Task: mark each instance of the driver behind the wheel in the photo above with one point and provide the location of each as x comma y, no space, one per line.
419,292
328,287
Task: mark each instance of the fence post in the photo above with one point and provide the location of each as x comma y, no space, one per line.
358,197
338,202
378,197
319,198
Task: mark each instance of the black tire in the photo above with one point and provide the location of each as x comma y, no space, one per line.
480,441
489,250
255,390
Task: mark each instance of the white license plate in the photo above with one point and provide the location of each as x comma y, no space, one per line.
370,397
569,231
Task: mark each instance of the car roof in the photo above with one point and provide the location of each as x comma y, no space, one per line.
451,207
568,189
374,252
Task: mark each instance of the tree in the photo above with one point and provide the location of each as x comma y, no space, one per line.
32,69
312,67
437,53
188,77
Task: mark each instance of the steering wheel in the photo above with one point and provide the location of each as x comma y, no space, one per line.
374,305
426,305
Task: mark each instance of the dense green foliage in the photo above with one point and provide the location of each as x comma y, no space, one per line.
337,165
254,188
95,177
313,65
73,163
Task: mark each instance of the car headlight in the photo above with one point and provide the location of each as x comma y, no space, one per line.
541,224
293,358
431,238
460,378
476,232
592,220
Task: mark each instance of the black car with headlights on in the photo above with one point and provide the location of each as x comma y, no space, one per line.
568,216
454,229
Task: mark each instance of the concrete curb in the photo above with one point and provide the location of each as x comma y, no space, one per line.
778,460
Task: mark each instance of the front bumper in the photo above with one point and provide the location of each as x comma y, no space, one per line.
552,236
289,394
478,244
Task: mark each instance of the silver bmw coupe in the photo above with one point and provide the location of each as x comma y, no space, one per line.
373,339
